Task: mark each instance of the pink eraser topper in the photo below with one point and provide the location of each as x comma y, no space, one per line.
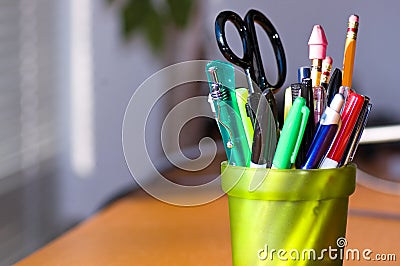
317,43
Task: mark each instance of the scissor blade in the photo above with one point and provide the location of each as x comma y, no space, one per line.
264,141
253,100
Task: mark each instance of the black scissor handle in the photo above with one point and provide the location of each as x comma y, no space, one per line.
220,22
252,17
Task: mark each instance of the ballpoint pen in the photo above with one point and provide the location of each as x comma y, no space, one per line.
319,95
345,91
350,50
334,85
291,135
303,72
350,114
222,89
357,132
326,131
306,92
292,92
317,52
295,90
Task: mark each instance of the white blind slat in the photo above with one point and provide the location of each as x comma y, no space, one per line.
27,94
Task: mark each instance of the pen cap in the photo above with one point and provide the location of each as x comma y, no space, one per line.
291,135
304,118
308,94
334,84
357,132
303,73
351,112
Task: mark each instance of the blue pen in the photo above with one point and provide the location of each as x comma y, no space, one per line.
303,73
328,126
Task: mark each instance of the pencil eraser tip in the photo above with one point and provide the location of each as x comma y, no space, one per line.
328,60
317,43
353,18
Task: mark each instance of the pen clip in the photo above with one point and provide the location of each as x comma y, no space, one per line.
304,118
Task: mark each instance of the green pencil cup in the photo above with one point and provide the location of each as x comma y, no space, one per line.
288,217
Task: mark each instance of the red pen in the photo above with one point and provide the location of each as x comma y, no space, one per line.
351,112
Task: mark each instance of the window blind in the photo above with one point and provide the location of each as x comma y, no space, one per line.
27,90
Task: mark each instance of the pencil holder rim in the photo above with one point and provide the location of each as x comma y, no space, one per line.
288,184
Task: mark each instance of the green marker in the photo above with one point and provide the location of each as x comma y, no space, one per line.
291,135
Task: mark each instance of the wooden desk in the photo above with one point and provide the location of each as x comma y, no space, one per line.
139,230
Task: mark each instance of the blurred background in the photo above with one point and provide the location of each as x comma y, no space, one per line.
69,67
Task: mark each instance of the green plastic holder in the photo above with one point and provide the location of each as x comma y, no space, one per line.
294,212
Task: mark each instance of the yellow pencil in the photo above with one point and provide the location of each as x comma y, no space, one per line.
350,51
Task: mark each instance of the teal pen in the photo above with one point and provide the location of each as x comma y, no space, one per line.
291,135
221,78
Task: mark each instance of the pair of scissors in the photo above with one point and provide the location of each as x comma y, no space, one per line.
251,62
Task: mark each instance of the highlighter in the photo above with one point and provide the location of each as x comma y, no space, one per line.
241,97
291,135
288,102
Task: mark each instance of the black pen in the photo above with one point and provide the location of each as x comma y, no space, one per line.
307,93
295,90
334,85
